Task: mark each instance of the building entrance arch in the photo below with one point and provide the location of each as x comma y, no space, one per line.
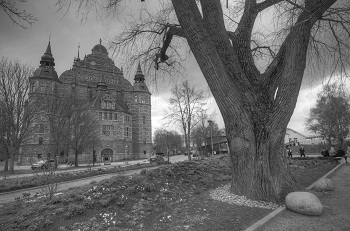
107,154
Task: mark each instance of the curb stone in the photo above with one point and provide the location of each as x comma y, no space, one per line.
259,225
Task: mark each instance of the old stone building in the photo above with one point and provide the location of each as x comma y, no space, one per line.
123,109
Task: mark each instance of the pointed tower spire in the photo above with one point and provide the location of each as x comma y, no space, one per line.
48,49
78,58
139,76
47,59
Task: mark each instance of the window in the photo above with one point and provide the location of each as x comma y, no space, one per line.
32,87
143,119
100,115
41,128
41,140
127,131
127,118
107,130
110,116
105,116
144,132
144,152
135,98
39,156
142,99
115,116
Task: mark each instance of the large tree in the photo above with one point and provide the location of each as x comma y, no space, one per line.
83,128
58,111
331,115
17,113
256,103
185,107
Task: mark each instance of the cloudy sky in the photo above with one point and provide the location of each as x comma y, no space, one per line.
67,32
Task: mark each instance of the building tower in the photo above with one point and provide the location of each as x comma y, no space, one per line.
43,88
44,79
142,125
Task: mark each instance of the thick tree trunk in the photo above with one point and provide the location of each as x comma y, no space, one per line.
6,166
12,162
259,165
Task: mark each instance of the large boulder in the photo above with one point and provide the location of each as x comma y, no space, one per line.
304,203
324,184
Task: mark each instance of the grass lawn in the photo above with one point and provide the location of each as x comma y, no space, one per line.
172,197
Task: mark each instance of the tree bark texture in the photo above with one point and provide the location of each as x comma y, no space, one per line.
256,107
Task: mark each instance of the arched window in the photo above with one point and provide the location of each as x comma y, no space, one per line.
143,119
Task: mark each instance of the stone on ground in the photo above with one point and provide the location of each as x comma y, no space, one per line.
304,203
324,184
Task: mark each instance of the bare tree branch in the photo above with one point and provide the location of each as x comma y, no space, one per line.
18,17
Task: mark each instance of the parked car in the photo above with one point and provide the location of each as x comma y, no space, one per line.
158,159
43,164
195,156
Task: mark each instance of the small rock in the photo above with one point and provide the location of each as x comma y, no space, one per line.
304,203
324,184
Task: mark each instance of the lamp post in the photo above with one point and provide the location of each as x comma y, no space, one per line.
127,153
93,153
210,122
167,142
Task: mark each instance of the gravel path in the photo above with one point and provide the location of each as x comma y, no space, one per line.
10,196
336,209
223,194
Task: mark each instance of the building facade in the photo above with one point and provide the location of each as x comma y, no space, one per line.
123,110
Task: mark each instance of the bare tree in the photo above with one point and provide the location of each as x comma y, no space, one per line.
17,113
84,127
165,140
19,17
202,131
58,111
331,115
256,101
185,107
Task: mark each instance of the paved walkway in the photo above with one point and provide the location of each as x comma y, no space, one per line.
336,209
25,170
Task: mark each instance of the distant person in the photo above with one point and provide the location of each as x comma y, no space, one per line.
332,152
347,154
302,151
340,152
289,153
324,152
